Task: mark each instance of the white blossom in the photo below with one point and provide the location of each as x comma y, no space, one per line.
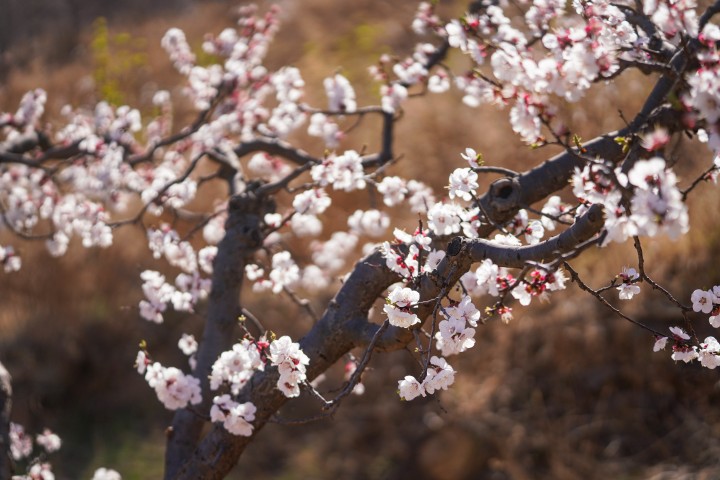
409,388
106,474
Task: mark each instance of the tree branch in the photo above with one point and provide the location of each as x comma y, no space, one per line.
242,238
6,463
345,323
588,225
330,338
278,148
463,252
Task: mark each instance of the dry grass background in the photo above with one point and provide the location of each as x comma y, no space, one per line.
563,392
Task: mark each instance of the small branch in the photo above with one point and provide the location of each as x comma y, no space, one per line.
303,303
703,177
201,224
332,405
386,140
200,120
254,320
656,286
712,10
272,188
161,192
500,170
362,111
576,278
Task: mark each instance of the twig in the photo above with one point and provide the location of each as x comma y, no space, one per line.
193,164
576,278
253,319
644,276
705,176
355,377
302,303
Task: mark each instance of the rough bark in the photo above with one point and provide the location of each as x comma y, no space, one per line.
329,339
242,239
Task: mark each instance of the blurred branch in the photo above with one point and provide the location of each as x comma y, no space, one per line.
201,119
8,154
6,463
276,147
653,283
711,11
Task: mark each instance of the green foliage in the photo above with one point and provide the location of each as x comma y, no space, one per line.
204,59
359,48
116,58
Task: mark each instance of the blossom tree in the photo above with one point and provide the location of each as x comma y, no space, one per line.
469,258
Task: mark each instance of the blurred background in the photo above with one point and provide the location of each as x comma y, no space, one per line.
565,391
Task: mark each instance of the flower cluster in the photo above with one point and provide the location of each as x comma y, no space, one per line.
106,474
399,308
284,273
173,388
454,335
10,261
236,366
440,375
708,301
323,126
708,351
343,172
533,230
291,363
341,95
235,417
187,292
371,223
20,442
536,284
656,205
330,256
21,448
403,257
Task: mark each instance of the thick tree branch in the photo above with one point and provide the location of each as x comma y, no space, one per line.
329,339
242,239
508,195
588,225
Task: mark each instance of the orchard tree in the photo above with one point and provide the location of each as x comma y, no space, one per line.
470,257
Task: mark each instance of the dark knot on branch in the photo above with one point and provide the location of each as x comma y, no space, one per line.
505,195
